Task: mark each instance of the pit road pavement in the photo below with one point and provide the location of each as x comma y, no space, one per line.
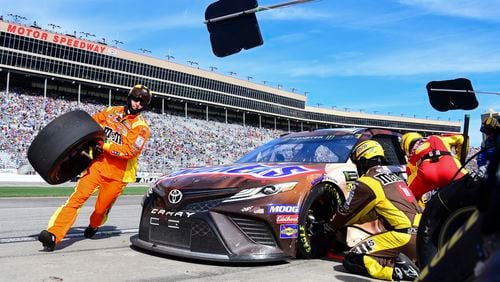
110,257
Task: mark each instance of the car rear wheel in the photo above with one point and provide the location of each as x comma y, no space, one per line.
58,152
318,208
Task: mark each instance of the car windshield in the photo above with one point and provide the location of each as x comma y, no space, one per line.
304,149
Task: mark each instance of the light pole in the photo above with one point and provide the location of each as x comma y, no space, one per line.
117,42
212,68
87,34
169,57
54,26
17,17
231,73
193,63
249,78
144,50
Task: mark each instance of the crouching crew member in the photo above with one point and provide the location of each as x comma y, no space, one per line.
432,164
380,194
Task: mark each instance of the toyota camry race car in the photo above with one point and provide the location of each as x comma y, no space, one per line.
265,206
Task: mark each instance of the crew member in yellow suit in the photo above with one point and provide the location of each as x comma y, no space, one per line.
114,165
380,194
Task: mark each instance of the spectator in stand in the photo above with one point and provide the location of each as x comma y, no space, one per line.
114,165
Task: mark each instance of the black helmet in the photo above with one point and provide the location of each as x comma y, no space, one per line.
139,93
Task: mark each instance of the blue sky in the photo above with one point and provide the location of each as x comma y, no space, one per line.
362,55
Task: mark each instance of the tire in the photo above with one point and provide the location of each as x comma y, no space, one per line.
443,215
321,203
453,222
56,152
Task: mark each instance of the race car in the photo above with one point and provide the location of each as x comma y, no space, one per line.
267,206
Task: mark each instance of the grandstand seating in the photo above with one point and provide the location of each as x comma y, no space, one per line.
176,142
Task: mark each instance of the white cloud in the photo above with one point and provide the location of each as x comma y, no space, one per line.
477,9
292,13
450,58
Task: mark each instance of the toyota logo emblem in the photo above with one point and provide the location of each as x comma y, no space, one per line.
175,196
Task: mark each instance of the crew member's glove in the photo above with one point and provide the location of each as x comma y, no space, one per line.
96,150
319,227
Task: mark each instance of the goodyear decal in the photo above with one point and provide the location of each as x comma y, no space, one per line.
288,231
259,171
282,209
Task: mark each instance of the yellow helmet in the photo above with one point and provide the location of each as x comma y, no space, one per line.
490,126
367,149
407,140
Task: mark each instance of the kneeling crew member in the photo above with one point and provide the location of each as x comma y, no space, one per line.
380,193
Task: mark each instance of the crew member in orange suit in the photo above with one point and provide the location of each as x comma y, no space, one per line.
432,162
114,165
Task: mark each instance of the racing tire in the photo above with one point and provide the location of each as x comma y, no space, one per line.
59,151
443,215
321,203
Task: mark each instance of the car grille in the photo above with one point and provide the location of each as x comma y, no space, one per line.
202,206
257,231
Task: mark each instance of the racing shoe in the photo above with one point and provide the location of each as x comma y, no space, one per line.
48,240
404,269
89,232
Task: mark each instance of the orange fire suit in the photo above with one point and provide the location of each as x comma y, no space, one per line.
110,173
432,164
381,194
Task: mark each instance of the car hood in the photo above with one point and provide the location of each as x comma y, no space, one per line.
239,176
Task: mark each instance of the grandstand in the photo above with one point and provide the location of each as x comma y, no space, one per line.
53,73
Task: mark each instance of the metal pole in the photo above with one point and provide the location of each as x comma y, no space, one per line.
463,152
243,118
79,92
185,109
207,113
162,106
109,98
465,91
8,83
45,89
255,10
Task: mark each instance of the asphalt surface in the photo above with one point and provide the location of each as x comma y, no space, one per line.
110,256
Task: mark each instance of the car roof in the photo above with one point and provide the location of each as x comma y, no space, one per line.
368,132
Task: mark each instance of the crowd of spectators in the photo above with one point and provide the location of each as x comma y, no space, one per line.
175,142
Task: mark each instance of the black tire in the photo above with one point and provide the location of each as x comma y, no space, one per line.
453,223
443,215
56,152
321,203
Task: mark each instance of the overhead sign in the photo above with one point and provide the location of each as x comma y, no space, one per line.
60,39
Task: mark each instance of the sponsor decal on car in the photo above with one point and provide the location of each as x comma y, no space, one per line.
350,175
259,171
288,231
287,218
283,209
252,209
